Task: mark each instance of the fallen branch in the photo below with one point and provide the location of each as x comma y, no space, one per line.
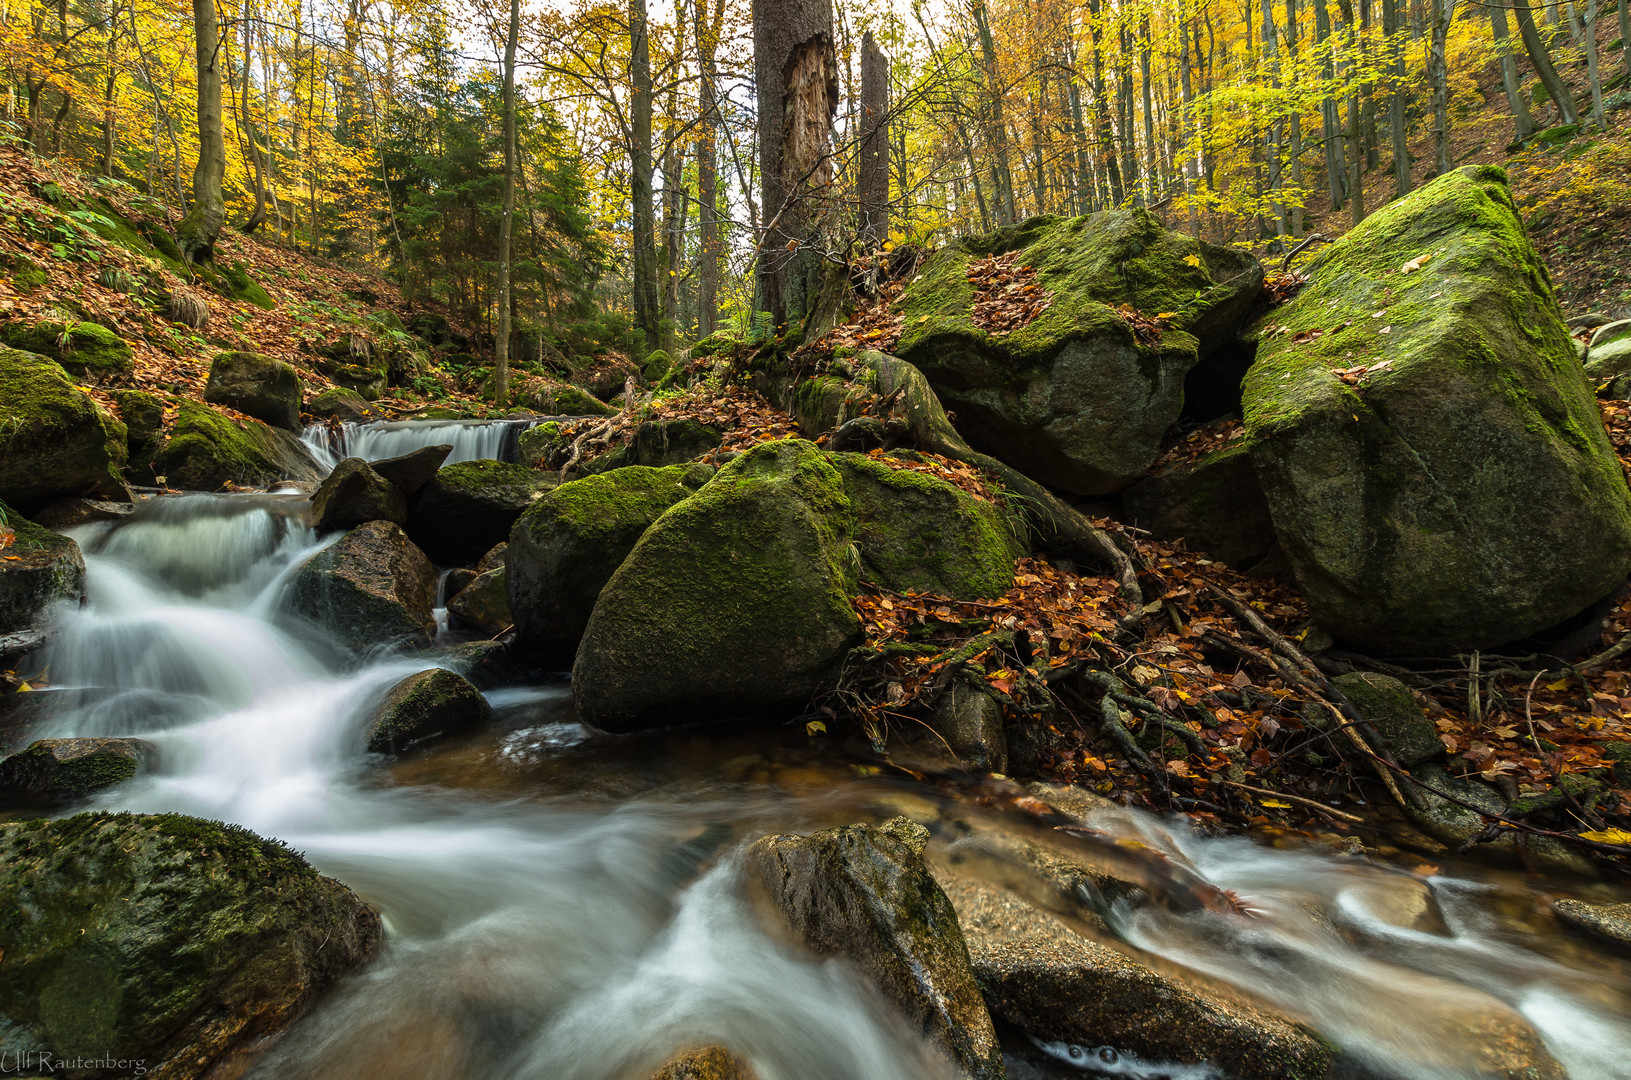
1298,799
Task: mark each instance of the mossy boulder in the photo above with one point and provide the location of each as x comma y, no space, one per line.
238,285
365,381
541,443
673,442
566,547
1073,399
54,439
371,588
344,404
207,449
431,327
720,341
258,386
469,506
916,531
1392,710
1608,364
144,431
51,772
425,706
164,941
82,348
354,493
1215,505
658,363
735,602
38,568
1061,987
1461,492
564,399
863,893
483,605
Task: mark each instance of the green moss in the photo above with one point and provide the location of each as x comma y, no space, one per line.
82,348
206,449
237,284
721,341
567,400
54,439
657,365
919,532
28,276
145,239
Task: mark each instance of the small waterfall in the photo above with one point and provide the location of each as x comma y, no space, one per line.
472,440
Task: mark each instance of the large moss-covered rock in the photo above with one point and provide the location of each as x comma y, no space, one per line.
372,587
344,404
54,771
564,399
1073,399
916,531
735,602
54,439
425,706
354,493
258,386
1061,987
1215,505
567,546
206,450
469,506
1461,493
143,415
863,893
37,568
163,940
82,348
1392,710
673,442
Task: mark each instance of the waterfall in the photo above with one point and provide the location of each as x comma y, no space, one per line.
472,440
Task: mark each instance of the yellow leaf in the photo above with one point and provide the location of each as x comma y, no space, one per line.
1608,836
1561,684
815,727
1192,260
1276,804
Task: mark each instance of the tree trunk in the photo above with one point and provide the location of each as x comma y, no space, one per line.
1625,33
506,225
1392,26
795,73
1523,124
257,216
1542,60
201,227
644,237
1330,129
874,170
1002,175
1599,115
1438,78
707,172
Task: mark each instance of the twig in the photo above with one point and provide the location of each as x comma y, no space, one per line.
1321,807
1313,238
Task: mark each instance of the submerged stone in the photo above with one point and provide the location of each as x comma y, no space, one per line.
54,771
425,706
371,588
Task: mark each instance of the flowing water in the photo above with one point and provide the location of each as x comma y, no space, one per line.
563,904
472,440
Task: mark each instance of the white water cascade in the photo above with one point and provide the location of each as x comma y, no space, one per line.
472,440
553,911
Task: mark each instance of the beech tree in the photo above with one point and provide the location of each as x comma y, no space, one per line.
201,227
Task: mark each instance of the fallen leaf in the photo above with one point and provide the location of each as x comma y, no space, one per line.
1608,836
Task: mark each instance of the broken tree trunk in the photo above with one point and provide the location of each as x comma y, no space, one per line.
874,193
795,74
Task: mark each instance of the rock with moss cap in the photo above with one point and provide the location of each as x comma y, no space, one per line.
469,506
735,602
258,386
54,439
564,399
177,943
657,364
344,404
1060,987
567,546
1073,399
673,442
1392,710
371,588
1215,505
425,706
917,531
82,348
51,772
863,893
38,568
206,450
1460,492
143,415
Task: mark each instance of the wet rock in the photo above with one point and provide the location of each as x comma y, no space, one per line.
969,721
1392,710
166,940
487,664
353,494
735,602
483,605
1461,493
65,514
373,587
466,508
1449,822
343,404
708,1063
917,531
143,415
673,442
566,547
81,348
414,470
425,706
863,893
38,568
1608,923
55,440
1215,505
207,450
457,580
1073,399
258,386
55,771
1060,987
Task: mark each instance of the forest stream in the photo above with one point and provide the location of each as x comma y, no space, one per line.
564,904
